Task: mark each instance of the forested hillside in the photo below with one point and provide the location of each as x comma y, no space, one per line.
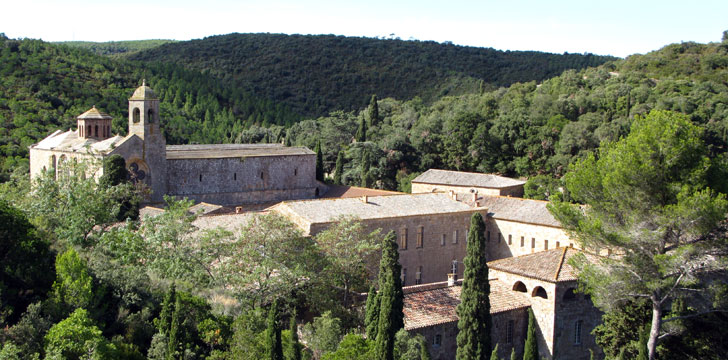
322,73
527,129
44,86
116,47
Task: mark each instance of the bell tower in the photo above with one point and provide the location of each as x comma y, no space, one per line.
144,112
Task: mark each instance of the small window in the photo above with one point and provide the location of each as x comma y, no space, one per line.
403,239
136,115
539,292
404,276
150,116
545,244
235,176
520,287
455,237
558,244
200,177
533,243
577,332
454,267
443,240
261,176
509,332
295,172
438,341
418,276
522,241
420,236
510,239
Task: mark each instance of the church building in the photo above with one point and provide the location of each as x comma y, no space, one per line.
224,174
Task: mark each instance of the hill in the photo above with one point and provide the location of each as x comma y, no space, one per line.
44,86
117,47
318,74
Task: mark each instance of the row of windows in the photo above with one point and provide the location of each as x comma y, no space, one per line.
418,274
94,131
523,241
262,175
136,115
404,238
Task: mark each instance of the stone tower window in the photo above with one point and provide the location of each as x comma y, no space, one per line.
443,240
136,115
96,131
295,172
200,177
522,241
403,239
88,133
455,237
509,332
150,116
235,176
577,332
454,267
539,292
438,341
420,236
510,239
545,244
520,287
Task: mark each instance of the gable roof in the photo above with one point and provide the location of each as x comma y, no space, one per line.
519,209
219,151
71,142
461,178
435,303
550,265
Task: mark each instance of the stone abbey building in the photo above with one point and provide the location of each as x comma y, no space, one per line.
227,174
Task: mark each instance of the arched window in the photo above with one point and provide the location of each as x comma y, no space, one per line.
88,133
150,116
96,131
520,287
136,115
539,292
569,295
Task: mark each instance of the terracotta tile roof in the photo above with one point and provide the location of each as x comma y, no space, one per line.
461,178
93,114
435,304
519,209
550,265
345,191
218,151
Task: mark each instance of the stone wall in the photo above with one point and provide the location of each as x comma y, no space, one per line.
230,181
42,160
433,257
571,308
511,238
514,191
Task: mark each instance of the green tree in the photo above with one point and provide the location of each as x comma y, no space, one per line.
361,132
77,336
73,286
323,334
474,321
114,171
273,333
644,334
391,317
319,162
294,349
494,353
649,200
513,353
373,111
168,307
352,347
174,336
371,320
339,168
530,348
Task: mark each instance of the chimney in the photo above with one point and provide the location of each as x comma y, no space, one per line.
365,199
475,199
451,279
452,195
238,209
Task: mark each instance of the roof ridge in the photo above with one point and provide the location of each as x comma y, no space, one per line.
561,264
517,198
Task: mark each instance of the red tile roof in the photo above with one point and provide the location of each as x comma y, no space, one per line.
434,304
345,191
550,265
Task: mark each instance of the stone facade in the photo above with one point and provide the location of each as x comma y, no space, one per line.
509,238
435,180
515,191
220,174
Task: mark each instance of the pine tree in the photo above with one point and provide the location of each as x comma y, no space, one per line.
339,168
173,344
391,317
530,349
319,162
165,316
371,321
474,322
513,353
642,349
373,111
494,354
361,133
294,351
275,348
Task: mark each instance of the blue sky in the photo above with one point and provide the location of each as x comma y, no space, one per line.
615,27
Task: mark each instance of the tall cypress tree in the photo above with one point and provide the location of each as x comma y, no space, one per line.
474,322
494,354
513,353
165,316
366,165
530,349
371,321
373,111
173,344
319,162
361,133
339,168
275,348
294,352
391,301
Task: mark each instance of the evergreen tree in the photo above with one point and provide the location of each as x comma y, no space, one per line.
371,321
474,322
391,301
494,354
294,350
273,332
513,353
319,162
288,140
373,111
165,316
644,336
339,168
173,345
366,165
114,171
361,132
424,353
530,349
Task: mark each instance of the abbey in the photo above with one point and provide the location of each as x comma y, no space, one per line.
228,174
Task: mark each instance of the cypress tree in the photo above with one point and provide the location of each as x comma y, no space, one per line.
474,322
288,140
513,353
530,349
371,321
391,301
319,162
361,133
173,344
294,352
165,316
339,168
373,111
494,354
275,348
365,167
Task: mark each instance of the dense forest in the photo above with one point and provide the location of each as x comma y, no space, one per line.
117,47
318,74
